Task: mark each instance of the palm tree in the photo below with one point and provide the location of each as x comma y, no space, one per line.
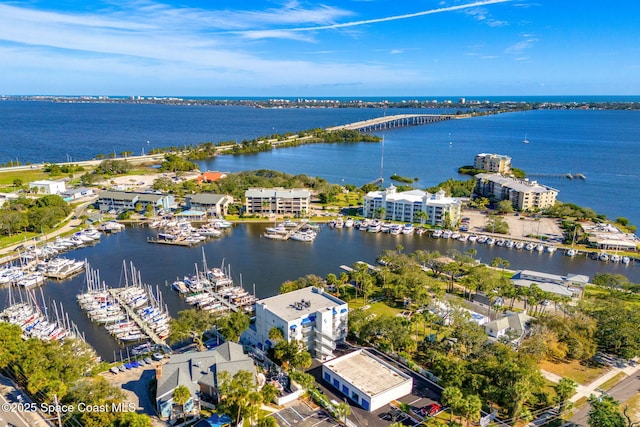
181,396
343,410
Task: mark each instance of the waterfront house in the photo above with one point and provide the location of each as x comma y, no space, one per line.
210,176
523,194
76,193
47,187
496,163
199,372
571,285
120,201
310,315
512,325
608,237
405,206
279,201
216,205
366,380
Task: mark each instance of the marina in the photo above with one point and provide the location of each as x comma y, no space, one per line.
131,313
213,290
245,248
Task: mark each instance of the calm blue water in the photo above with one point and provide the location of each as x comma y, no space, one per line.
601,144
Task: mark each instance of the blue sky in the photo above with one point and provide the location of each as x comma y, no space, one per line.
323,49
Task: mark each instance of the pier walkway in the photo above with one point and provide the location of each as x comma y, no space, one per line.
115,292
221,300
396,121
568,175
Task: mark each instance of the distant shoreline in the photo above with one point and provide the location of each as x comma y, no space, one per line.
502,103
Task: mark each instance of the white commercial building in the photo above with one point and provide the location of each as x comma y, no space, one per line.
47,187
404,206
309,315
366,380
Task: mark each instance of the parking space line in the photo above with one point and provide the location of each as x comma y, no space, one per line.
414,401
296,412
283,418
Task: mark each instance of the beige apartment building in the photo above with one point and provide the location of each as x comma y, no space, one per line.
280,201
525,195
496,163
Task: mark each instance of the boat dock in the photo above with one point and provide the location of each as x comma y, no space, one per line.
115,293
567,175
350,269
222,301
171,242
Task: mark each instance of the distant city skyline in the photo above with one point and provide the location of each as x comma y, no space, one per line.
337,48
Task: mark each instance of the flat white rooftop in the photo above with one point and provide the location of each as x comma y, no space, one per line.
366,372
300,303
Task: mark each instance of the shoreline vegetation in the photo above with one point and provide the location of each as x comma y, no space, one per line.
179,160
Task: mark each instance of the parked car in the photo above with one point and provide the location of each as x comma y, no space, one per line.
429,410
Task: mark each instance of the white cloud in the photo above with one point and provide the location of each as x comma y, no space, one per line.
521,46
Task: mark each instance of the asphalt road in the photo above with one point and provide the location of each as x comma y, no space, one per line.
622,392
14,410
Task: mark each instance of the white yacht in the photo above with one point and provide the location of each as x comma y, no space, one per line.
408,229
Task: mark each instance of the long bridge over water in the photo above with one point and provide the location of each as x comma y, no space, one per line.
396,121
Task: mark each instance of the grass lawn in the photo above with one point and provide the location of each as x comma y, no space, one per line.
379,308
574,370
607,385
7,178
17,238
351,198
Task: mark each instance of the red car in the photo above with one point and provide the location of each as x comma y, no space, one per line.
430,410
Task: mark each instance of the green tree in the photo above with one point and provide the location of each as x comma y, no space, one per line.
269,393
133,419
453,398
11,344
291,354
233,325
564,390
191,324
605,412
275,334
181,396
267,421
238,394
342,411
504,207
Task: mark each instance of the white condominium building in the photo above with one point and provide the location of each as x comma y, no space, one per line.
404,206
277,201
310,315
525,195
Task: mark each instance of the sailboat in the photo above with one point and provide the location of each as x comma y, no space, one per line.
525,140
572,252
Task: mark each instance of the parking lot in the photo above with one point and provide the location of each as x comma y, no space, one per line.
301,414
423,393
